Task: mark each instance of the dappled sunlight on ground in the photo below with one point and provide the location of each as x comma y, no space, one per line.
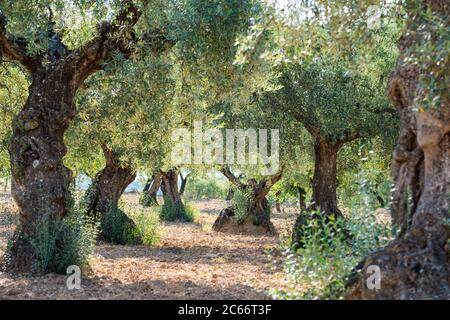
189,262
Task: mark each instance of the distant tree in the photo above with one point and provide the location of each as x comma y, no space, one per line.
254,194
14,84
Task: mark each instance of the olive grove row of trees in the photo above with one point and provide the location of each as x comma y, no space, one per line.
108,82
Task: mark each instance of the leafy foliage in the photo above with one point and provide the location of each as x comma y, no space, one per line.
240,202
13,90
172,212
115,228
147,224
199,188
59,244
430,53
367,181
332,100
320,269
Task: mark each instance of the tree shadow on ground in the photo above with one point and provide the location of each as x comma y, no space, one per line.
54,287
193,254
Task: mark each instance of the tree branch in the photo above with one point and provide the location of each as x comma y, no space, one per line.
349,136
115,36
268,182
231,177
16,49
111,37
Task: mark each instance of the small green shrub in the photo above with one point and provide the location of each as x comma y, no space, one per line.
60,244
319,269
148,225
118,228
192,212
240,203
79,234
171,212
44,242
146,200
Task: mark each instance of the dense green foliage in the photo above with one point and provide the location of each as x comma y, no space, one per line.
116,229
13,92
320,269
332,101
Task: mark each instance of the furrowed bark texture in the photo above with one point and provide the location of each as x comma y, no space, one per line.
416,264
40,181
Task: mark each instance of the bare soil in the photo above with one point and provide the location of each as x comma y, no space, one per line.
190,262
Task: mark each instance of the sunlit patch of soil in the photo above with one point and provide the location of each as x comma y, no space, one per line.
189,262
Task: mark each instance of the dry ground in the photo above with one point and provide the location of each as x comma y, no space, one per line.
190,262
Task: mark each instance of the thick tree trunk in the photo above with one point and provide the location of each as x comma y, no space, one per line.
183,183
257,216
324,183
171,194
230,194
416,264
302,199
150,192
109,184
278,206
40,181
102,197
258,208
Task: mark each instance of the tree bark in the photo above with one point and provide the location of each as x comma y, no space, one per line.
102,197
302,199
171,193
109,184
183,183
258,208
150,192
278,206
277,202
324,185
324,197
40,181
416,264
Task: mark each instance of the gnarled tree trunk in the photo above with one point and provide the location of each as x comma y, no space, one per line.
102,197
277,202
171,194
324,183
302,199
109,184
40,181
258,208
150,192
278,206
183,183
416,264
